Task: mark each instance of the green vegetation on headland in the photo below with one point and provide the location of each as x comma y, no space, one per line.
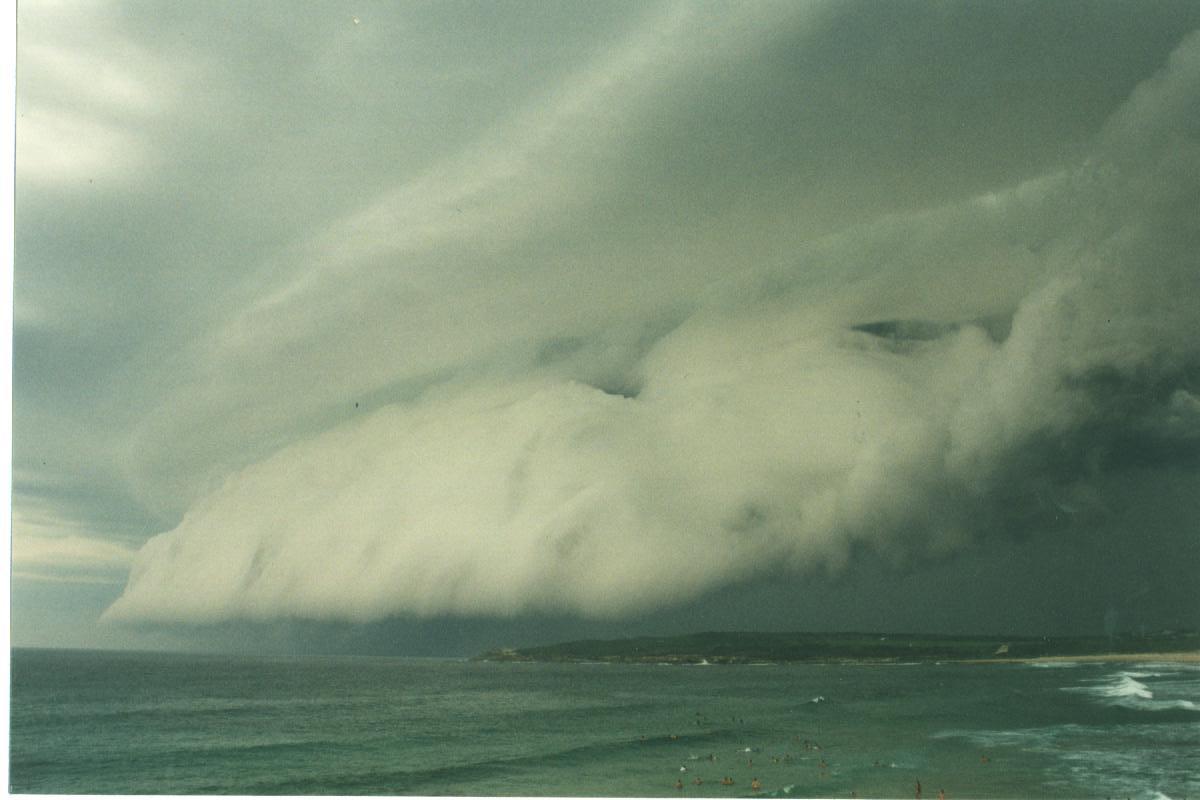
775,648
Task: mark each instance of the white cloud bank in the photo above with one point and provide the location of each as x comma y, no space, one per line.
768,430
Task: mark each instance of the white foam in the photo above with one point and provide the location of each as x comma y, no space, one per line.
1140,675
1125,686
1165,705
1125,689
1088,756
1168,667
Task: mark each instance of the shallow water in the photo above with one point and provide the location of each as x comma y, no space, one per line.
89,722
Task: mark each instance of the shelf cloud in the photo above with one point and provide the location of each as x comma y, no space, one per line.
887,385
602,311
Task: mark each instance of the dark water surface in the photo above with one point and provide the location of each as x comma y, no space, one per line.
104,722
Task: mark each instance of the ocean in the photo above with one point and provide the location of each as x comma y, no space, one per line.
134,723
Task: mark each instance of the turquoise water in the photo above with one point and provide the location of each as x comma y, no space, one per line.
91,722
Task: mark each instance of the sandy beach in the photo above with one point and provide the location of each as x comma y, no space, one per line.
1192,657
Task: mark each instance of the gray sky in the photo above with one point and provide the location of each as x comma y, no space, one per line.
460,323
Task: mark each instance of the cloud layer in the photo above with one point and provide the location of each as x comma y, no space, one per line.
889,386
592,310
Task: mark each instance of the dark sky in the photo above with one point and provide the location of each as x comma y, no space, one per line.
428,327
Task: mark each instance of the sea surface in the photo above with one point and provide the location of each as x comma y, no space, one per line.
132,723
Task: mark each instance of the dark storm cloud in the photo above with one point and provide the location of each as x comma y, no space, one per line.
470,309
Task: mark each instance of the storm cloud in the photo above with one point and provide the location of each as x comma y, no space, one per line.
483,313
882,383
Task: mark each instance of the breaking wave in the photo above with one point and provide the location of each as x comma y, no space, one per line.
1126,689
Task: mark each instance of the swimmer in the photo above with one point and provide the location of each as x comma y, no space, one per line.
984,759
941,794
756,785
678,784
918,789
727,781
698,782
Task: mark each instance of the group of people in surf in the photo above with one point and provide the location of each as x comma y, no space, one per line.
941,792
755,784
809,746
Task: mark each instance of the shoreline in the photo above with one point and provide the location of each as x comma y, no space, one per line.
1186,657
756,647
